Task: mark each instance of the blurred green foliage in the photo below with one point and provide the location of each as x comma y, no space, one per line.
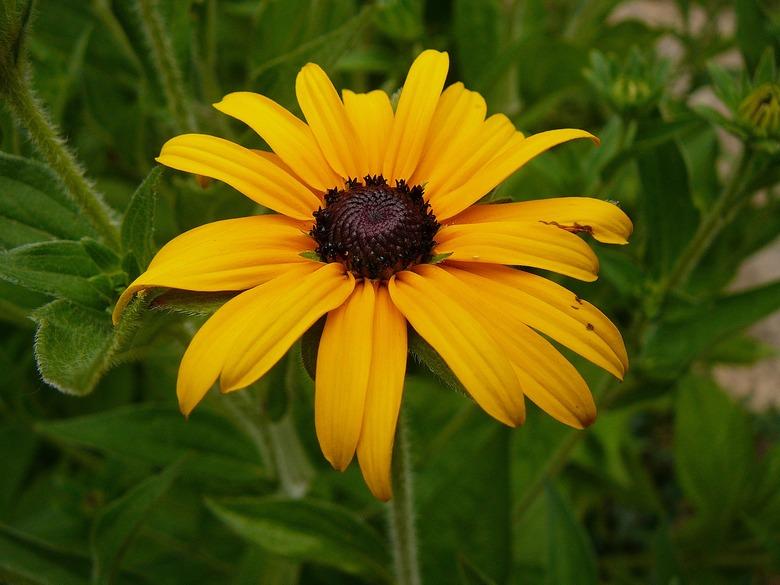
676,482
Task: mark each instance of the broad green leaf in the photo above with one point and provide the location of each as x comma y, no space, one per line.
453,492
157,435
74,346
34,205
667,213
22,563
476,26
309,531
117,523
570,554
671,346
713,451
61,268
137,230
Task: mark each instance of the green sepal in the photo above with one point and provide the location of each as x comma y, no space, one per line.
191,302
422,351
310,255
310,345
437,258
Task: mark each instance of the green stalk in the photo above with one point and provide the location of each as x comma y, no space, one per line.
165,64
401,513
29,114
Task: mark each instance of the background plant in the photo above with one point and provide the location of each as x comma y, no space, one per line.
676,483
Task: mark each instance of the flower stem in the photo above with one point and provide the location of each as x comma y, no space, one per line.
401,512
29,113
166,65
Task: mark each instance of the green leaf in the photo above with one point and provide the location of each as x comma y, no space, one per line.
672,345
16,303
309,531
22,563
741,350
570,555
157,435
73,346
476,25
667,211
454,491
753,31
725,85
35,206
61,268
713,451
117,523
137,231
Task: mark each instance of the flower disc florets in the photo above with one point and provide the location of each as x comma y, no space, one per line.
374,229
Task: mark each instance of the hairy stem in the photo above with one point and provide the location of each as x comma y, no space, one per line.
165,64
29,114
401,513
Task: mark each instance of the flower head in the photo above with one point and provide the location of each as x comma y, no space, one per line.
369,200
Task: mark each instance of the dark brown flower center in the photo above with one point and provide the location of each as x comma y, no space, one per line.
374,229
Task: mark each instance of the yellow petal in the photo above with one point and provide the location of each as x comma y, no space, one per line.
242,169
458,118
343,366
604,220
233,254
545,376
414,113
460,166
281,315
288,136
554,311
328,120
462,342
511,158
383,397
519,244
206,354
372,118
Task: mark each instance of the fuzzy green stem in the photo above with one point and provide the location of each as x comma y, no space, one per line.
165,64
401,512
29,114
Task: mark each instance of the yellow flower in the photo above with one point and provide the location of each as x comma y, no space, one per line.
381,196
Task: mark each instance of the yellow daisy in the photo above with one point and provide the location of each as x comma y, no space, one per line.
377,227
